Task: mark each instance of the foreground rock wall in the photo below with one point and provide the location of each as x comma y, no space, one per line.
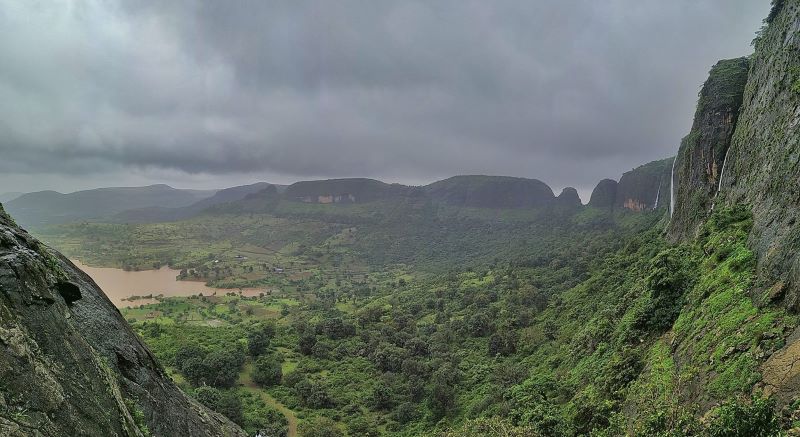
69,363
763,168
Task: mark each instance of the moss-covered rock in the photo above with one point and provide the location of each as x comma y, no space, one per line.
701,157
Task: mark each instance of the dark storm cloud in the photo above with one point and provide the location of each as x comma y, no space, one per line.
566,91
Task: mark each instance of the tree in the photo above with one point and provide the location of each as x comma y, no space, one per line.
335,328
503,342
306,343
479,325
363,426
388,358
224,402
186,352
219,368
443,390
404,413
670,276
223,367
383,397
257,342
417,347
312,394
267,371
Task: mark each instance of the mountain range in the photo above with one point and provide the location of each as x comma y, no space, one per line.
639,189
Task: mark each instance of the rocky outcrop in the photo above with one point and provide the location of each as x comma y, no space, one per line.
70,365
646,187
780,373
491,192
568,198
353,190
604,194
701,157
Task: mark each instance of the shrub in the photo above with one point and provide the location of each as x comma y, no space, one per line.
741,419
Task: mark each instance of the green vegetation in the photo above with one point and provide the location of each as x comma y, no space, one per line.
635,337
138,417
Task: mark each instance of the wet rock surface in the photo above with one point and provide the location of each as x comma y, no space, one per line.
70,364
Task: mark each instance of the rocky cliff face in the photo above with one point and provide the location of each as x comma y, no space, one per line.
763,165
701,157
646,187
761,169
69,363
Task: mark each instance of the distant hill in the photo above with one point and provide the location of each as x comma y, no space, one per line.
51,207
491,192
156,214
352,190
7,197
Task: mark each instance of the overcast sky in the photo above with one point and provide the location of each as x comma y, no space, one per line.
217,93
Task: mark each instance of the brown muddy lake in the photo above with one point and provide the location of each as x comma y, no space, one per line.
119,284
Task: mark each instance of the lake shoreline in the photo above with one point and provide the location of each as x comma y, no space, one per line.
119,285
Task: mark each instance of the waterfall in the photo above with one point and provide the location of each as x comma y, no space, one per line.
658,194
672,188
722,172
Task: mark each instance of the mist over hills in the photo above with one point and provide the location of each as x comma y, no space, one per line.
5,197
637,190
51,207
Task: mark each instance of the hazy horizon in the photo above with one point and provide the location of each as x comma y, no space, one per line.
120,94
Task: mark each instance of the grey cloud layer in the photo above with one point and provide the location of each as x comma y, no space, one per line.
566,91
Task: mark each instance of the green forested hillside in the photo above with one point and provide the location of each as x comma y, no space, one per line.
645,338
